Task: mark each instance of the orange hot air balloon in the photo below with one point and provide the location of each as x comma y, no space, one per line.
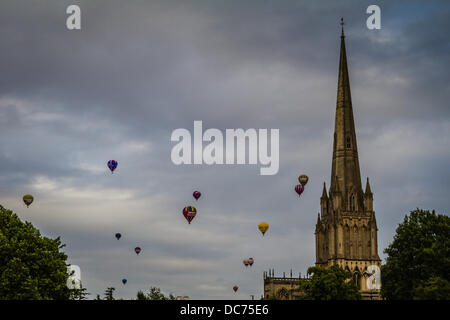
235,288
303,179
246,262
263,227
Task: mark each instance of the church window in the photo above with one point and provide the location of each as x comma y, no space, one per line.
352,202
348,142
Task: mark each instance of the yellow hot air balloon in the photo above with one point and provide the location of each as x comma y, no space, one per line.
303,179
263,227
28,199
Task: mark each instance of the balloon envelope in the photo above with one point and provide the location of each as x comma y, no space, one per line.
250,261
118,235
124,281
28,199
235,288
303,179
112,165
263,227
189,213
299,189
246,262
137,250
197,194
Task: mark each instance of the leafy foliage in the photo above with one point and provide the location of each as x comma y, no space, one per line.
418,262
109,293
32,267
332,283
154,294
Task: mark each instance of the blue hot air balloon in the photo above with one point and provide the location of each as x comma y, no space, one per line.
112,165
124,281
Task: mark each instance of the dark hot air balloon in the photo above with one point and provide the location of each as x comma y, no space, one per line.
112,165
118,235
299,189
197,194
235,288
28,199
124,281
250,261
189,213
137,250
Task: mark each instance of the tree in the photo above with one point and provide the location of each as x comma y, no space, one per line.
418,262
79,294
32,267
333,283
154,294
109,293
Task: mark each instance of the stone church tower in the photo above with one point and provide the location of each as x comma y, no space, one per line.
346,229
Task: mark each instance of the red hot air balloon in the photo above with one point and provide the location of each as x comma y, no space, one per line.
235,288
250,261
137,250
197,194
299,189
189,213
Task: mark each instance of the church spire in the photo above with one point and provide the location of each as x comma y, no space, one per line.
345,173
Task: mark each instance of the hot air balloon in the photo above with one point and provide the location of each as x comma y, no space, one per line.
250,261
112,165
137,250
303,179
263,227
124,281
197,194
246,262
299,189
118,235
235,288
28,199
189,213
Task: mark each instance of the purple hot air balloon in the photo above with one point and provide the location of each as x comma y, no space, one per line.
299,189
112,165
197,194
137,250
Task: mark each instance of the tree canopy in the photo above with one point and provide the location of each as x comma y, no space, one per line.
32,267
333,283
418,262
153,294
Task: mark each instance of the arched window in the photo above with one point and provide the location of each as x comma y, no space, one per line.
348,142
357,279
352,202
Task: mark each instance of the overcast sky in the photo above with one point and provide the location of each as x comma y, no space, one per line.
137,70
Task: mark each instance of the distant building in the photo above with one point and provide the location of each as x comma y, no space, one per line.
182,298
346,229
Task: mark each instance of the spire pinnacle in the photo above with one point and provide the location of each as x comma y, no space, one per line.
342,27
324,191
368,191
